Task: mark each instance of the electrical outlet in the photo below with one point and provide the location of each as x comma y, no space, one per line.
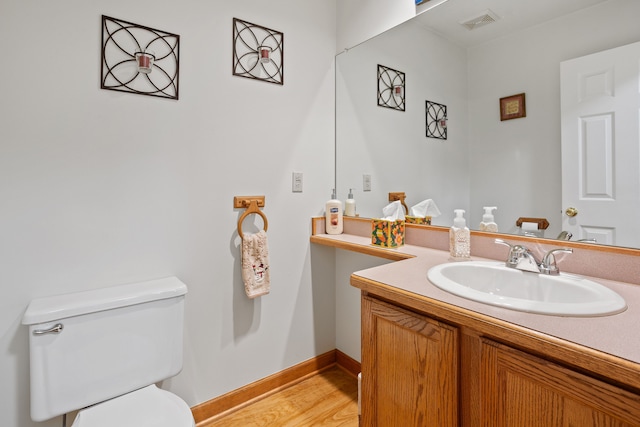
366,182
297,182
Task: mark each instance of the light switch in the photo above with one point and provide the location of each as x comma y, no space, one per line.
297,182
366,182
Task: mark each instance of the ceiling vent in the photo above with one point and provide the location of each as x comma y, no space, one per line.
487,17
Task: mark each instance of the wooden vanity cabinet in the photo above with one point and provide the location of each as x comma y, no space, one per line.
419,371
409,368
519,389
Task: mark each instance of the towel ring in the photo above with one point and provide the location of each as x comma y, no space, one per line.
399,196
252,209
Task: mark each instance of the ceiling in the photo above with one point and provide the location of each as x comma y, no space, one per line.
445,19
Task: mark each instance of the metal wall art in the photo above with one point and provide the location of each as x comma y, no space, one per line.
391,88
436,120
138,59
258,52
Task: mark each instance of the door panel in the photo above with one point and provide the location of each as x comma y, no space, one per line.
600,104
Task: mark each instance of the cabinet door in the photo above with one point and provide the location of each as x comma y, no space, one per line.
409,368
522,390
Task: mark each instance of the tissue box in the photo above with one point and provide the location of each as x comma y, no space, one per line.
426,220
389,234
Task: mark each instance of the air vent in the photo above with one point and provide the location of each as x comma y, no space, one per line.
487,17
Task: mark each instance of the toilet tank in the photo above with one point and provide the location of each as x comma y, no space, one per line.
91,346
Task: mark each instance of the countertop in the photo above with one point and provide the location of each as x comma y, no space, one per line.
614,337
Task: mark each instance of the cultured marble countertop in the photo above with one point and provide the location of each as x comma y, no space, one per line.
616,335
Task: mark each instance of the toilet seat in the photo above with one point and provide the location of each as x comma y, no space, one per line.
147,407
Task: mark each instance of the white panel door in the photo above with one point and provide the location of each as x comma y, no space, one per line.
600,106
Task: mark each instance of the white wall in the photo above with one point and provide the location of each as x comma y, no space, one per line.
101,188
527,151
358,21
348,336
391,145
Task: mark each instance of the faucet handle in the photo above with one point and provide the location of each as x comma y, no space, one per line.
502,242
548,264
513,257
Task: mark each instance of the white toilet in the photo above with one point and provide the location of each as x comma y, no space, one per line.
102,351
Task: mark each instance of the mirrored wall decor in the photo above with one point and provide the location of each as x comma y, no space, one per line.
258,52
391,88
139,59
516,165
436,120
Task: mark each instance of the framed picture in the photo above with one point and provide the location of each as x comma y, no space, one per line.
512,107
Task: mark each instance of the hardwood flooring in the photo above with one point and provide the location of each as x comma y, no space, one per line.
327,399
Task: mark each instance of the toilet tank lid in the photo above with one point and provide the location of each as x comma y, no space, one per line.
48,309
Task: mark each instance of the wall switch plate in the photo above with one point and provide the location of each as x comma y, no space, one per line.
366,182
296,186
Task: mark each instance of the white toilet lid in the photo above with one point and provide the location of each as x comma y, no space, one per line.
147,407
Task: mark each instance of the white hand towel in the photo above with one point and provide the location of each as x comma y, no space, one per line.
255,264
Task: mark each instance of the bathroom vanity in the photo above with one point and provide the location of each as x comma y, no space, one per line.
432,358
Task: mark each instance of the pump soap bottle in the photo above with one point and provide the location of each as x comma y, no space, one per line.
350,205
333,215
459,238
488,224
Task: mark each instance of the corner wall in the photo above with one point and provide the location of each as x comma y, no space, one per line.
358,21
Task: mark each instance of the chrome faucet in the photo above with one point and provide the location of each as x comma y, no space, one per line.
565,235
521,258
548,265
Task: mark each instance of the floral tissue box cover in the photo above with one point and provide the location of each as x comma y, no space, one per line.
425,220
389,234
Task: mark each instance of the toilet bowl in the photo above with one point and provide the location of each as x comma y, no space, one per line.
102,352
149,406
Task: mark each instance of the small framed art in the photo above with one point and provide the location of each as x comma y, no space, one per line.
512,107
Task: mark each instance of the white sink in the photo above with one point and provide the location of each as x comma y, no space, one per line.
493,283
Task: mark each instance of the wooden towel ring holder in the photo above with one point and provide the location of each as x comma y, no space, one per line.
252,205
399,195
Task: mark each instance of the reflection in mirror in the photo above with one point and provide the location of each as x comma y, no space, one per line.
513,164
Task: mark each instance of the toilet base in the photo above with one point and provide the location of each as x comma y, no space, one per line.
149,406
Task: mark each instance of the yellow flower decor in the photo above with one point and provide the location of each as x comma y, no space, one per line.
424,220
389,234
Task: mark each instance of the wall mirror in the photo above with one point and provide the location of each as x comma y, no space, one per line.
516,164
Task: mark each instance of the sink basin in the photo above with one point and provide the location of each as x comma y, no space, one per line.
494,283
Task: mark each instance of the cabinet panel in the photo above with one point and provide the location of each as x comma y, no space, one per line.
409,368
519,389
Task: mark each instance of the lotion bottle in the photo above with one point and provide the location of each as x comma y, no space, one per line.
333,215
488,223
350,204
459,238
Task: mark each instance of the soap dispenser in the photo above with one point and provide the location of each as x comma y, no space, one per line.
333,215
350,204
459,238
488,224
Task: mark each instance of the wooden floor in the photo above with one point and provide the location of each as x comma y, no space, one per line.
329,398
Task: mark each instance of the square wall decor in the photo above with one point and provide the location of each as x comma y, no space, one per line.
139,59
258,52
512,107
391,88
436,120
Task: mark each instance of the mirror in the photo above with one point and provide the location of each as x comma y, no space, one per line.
512,164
